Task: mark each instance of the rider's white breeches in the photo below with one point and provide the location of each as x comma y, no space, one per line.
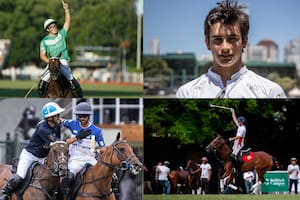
26,159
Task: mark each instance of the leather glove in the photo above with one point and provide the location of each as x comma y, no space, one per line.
83,134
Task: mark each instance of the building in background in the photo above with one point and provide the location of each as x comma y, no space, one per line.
155,47
265,51
292,53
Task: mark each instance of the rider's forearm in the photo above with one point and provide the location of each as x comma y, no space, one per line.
44,58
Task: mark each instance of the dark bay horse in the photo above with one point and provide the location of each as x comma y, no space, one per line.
261,161
188,178
45,180
58,86
97,180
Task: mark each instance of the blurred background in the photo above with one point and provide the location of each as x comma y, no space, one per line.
175,51
104,42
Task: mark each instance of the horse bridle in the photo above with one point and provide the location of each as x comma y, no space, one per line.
56,160
124,165
215,149
125,161
53,171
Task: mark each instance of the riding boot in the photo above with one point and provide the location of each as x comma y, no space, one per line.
67,186
75,88
12,184
235,162
42,88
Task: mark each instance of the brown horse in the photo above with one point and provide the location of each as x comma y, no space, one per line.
58,86
261,161
188,178
45,179
97,180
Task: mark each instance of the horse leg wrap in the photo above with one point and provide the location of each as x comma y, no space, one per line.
76,89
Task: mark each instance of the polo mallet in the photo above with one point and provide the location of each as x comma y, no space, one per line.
217,106
29,91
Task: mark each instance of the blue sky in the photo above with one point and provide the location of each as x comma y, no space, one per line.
178,24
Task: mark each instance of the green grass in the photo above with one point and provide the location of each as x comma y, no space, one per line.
20,88
222,197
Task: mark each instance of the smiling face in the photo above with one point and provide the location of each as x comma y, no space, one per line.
52,29
226,44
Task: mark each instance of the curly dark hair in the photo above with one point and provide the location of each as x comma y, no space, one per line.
228,12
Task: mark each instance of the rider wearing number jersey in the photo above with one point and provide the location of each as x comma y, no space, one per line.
54,45
82,151
37,149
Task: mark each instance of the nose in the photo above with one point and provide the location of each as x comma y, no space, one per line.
225,46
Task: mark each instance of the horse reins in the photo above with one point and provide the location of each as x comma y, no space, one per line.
104,195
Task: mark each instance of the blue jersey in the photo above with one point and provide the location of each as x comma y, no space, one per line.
43,135
75,128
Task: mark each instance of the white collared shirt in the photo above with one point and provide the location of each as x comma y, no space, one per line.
243,84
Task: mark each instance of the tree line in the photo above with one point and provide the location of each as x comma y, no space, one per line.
93,23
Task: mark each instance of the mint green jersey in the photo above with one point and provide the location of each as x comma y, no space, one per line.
55,46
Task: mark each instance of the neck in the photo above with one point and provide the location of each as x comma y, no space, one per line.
104,172
226,72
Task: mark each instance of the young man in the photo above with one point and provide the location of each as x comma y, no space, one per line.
239,138
293,171
205,178
226,35
47,131
81,150
54,45
163,177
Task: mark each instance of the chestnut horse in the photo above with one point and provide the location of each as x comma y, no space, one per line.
261,161
58,86
97,180
45,179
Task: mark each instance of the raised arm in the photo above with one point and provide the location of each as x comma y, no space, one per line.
234,117
67,15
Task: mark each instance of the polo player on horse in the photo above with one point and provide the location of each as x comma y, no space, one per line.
238,139
54,45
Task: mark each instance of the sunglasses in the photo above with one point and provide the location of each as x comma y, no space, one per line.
83,116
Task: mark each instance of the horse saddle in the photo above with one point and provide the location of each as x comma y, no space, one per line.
79,179
246,155
19,190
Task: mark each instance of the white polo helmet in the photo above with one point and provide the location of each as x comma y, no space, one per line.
48,22
51,109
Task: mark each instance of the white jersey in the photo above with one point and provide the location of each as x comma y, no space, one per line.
205,168
163,172
239,143
243,84
293,171
249,176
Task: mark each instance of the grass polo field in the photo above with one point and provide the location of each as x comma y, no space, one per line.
90,89
222,197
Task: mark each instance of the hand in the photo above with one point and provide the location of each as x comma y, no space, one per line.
228,140
232,110
65,5
83,134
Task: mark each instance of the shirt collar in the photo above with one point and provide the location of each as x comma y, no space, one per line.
216,78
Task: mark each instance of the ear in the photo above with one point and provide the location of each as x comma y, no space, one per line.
118,136
207,43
